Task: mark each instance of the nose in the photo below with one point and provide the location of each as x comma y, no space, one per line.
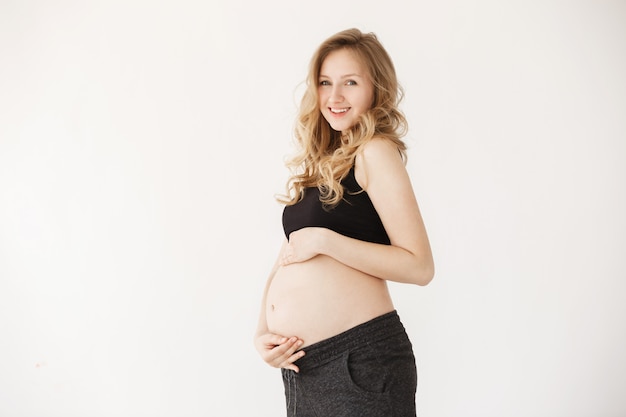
336,94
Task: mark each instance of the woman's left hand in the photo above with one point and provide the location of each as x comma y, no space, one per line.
303,245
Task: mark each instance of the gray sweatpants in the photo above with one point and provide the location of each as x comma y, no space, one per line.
366,371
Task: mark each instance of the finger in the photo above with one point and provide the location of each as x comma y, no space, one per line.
289,364
281,354
296,356
293,368
286,260
271,339
286,349
288,255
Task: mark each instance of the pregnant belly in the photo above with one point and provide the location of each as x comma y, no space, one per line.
320,298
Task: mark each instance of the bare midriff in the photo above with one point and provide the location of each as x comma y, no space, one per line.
320,298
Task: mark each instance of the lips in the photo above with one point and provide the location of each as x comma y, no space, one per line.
338,111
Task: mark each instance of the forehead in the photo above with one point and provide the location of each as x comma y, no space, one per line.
342,62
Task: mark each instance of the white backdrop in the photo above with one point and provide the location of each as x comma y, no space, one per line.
141,144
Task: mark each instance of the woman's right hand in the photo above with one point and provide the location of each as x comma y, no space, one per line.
279,351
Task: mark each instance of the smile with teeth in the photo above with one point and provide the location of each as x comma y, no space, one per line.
339,111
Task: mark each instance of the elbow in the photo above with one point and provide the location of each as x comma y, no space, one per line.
423,274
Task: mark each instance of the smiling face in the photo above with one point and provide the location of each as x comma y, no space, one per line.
344,88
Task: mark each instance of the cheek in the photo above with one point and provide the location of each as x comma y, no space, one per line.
367,99
321,98
364,105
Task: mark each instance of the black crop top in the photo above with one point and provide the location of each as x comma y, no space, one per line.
355,216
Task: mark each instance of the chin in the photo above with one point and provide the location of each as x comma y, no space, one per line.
340,127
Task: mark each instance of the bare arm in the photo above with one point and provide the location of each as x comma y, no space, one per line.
381,172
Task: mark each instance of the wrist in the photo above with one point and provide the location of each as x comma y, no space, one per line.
323,241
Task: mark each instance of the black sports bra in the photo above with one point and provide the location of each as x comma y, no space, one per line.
355,216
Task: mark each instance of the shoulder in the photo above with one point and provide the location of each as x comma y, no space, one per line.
377,158
379,147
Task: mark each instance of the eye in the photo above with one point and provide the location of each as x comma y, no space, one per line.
351,82
324,82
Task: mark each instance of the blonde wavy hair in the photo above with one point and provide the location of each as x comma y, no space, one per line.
326,156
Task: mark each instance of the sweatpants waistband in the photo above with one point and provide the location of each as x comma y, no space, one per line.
374,330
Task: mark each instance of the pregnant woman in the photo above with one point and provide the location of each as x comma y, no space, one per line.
351,223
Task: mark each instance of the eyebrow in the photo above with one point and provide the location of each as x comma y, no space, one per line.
343,76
